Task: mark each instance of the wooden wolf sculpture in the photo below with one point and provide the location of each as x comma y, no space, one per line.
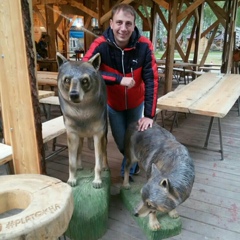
169,169
83,101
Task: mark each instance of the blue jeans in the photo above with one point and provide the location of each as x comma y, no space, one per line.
119,121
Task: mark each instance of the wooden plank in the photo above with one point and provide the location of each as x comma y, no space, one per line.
52,128
47,82
52,100
47,75
44,94
38,195
47,78
219,101
18,97
181,100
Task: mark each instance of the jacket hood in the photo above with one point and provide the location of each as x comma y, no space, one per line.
108,34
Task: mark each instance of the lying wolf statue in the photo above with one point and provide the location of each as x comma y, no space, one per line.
83,101
169,170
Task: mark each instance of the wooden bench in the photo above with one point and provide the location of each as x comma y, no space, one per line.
51,129
47,82
209,69
5,155
47,102
183,72
44,94
45,78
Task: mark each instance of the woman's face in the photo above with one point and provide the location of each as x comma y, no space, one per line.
122,25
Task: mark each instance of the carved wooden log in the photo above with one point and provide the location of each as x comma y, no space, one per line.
34,207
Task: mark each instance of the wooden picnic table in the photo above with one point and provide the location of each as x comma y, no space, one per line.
180,69
45,78
177,64
211,94
210,68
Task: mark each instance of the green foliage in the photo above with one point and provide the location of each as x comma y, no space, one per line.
214,57
238,18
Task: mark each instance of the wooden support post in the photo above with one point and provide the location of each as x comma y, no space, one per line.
51,31
20,106
172,23
198,33
231,10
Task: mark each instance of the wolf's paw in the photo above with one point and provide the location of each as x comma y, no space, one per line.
126,186
154,225
173,214
97,183
72,182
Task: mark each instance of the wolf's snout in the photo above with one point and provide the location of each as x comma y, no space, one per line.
136,214
74,95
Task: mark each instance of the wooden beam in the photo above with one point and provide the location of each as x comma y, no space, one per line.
51,31
71,23
191,39
17,78
162,17
191,8
219,12
59,20
106,7
147,16
84,9
210,28
162,3
172,21
45,2
107,16
199,26
40,16
210,41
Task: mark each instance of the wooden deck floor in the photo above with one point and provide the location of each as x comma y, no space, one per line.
213,209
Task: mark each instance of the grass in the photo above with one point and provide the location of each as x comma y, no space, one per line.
214,57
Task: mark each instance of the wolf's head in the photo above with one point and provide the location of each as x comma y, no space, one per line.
77,80
156,195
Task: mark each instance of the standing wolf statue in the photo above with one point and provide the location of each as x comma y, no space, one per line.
83,101
169,170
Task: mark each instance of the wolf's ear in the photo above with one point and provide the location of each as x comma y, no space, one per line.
60,59
95,61
155,170
164,183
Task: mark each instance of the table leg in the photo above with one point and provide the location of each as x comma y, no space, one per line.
220,136
238,106
208,132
